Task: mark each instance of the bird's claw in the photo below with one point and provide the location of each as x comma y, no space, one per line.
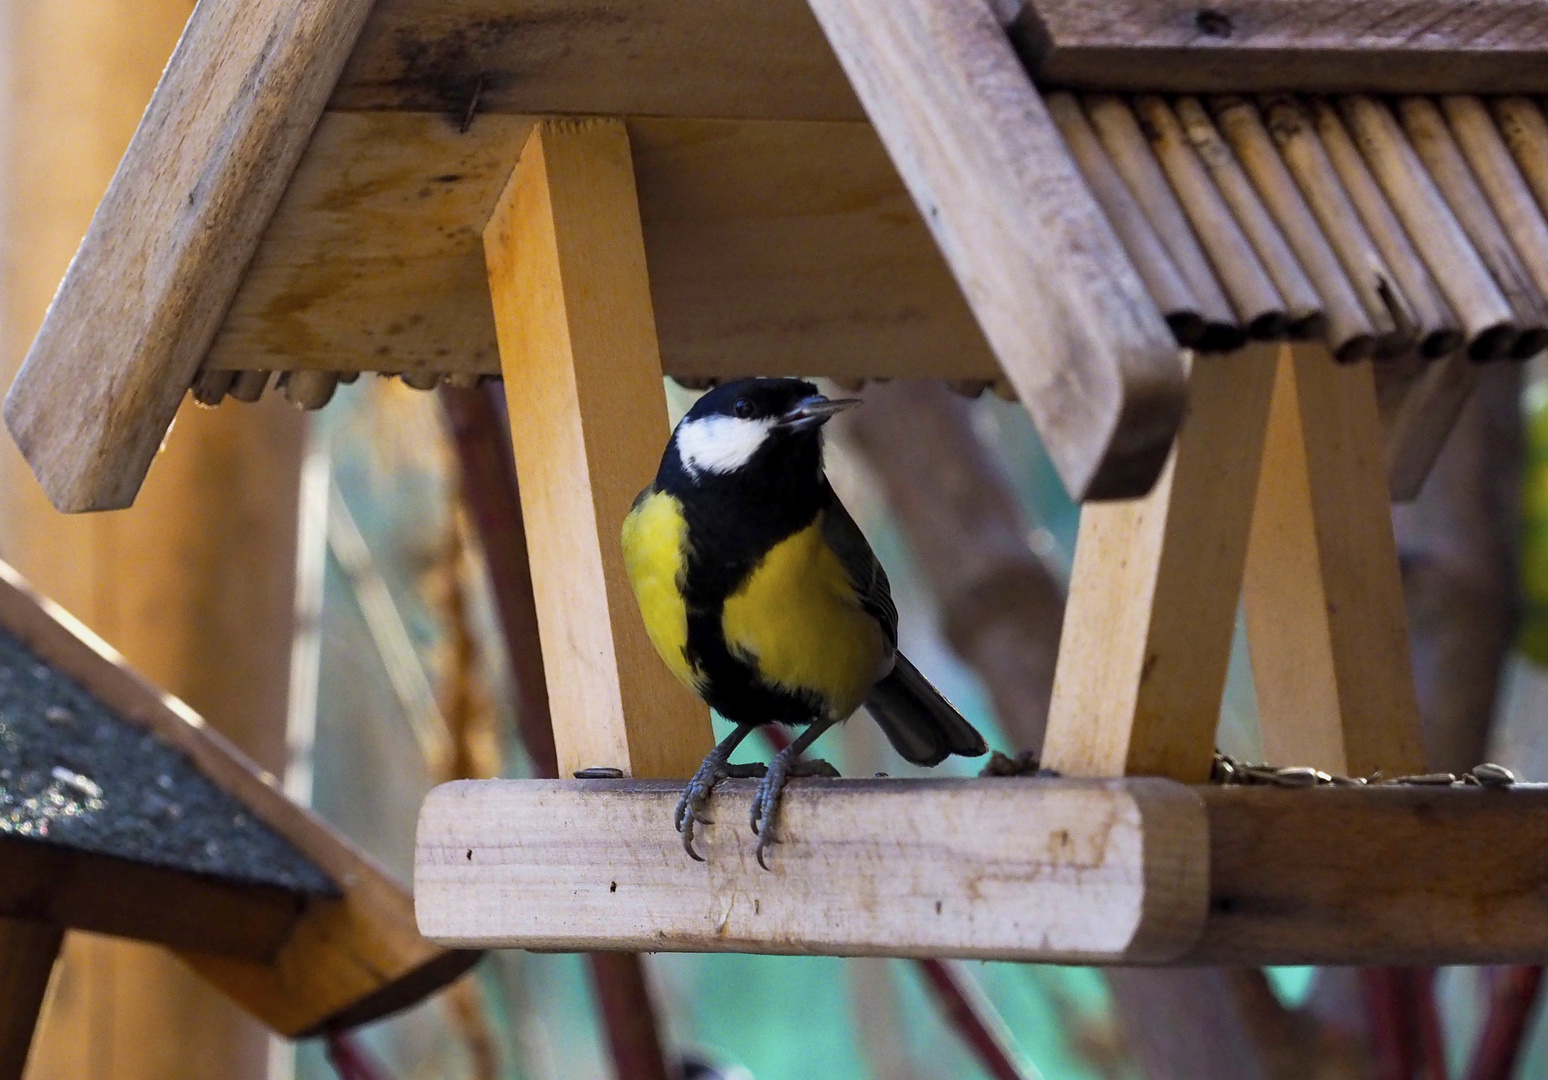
696,797
764,811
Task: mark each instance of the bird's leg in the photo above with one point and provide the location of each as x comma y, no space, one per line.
765,804
690,808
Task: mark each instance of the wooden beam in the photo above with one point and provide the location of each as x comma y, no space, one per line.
1434,46
1152,601
1405,875
84,890
27,952
1043,870
589,422
349,959
1066,314
735,59
1012,869
147,290
754,230
1322,592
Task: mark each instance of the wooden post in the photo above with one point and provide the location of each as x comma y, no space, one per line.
588,419
27,952
1152,602
1324,600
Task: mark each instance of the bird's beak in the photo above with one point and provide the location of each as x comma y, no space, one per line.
814,411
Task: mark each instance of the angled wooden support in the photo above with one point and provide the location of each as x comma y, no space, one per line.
1087,350
588,420
27,952
1147,631
1323,597
150,286
1285,505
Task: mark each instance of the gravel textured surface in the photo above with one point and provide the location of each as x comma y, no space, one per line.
72,773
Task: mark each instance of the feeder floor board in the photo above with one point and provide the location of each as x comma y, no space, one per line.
1067,871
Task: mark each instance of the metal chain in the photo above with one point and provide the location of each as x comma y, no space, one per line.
1229,771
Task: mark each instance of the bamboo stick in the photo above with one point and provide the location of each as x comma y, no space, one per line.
1439,334
1395,320
310,389
210,386
1496,172
1526,133
1486,316
249,385
1129,151
1156,269
1351,335
1302,304
1252,292
1433,142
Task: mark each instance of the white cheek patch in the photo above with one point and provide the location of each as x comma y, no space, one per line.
720,444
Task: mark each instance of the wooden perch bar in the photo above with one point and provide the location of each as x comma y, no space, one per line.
890,868
1091,356
1303,305
1351,334
147,291
1013,869
1259,307
1145,249
1487,319
1291,129
1433,142
1129,151
1439,334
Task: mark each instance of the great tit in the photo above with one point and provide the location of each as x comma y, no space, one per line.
761,594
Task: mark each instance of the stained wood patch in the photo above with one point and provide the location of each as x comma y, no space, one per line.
1008,869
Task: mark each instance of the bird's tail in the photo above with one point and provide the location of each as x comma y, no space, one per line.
918,721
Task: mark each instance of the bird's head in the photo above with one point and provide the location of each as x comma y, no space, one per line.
754,424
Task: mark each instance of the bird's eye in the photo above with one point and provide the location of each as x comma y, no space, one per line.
743,409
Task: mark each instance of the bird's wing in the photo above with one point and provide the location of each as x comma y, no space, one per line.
861,564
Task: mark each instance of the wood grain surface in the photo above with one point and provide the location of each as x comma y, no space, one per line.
1022,869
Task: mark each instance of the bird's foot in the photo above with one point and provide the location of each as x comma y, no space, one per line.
696,796
764,814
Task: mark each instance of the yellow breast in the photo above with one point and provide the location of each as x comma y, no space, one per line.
799,618
655,540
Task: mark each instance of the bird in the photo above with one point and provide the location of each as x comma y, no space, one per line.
764,598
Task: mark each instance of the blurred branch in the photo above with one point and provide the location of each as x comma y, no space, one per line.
351,1060
1001,608
481,433
974,1017
477,421
1511,1004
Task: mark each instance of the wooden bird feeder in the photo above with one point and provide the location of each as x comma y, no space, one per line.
122,813
1295,224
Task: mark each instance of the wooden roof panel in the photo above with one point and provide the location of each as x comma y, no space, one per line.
773,246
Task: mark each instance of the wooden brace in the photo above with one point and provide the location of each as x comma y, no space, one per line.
1285,505
588,419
